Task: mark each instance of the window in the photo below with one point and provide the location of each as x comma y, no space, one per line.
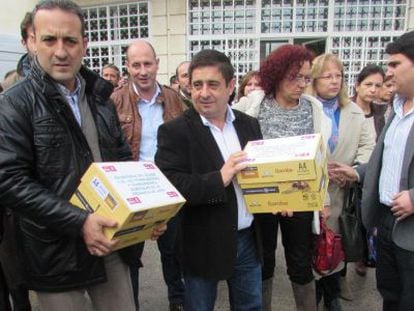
110,29
357,51
219,17
243,53
375,15
285,16
358,32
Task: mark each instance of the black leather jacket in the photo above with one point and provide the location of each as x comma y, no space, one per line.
43,154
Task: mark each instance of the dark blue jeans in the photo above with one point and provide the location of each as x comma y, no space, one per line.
395,272
245,285
171,267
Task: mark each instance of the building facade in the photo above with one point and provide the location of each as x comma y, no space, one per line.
10,47
246,30
112,25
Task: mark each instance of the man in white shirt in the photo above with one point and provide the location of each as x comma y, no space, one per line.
388,193
143,105
200,152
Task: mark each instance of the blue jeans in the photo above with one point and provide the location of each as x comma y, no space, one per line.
171,267
245,285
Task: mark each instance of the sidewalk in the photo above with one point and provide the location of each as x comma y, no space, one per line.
153,293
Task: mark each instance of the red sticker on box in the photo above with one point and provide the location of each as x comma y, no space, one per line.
172,194
109,168
149,166
133,200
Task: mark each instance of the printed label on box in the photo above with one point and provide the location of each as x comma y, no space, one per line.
135,194
105,195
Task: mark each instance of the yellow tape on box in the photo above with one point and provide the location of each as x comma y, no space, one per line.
283,159
135,194
298,196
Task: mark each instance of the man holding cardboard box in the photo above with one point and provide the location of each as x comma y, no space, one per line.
143,105
53,125
200,152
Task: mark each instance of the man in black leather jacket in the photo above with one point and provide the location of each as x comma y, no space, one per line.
53,125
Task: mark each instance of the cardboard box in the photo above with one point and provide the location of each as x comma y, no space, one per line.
283,159
135,194
298,196
285,174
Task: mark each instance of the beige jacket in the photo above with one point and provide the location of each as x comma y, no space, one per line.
355,144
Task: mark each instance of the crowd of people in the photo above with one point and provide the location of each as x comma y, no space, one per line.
57,117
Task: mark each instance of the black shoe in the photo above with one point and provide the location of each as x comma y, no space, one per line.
176,307
333,305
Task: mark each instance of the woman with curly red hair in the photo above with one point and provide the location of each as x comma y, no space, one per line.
284,110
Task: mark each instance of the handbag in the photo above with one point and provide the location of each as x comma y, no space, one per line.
350,228
327,251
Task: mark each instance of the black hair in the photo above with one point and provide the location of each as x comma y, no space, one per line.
64,5
25,24
403,45
368,70
213,58
173,79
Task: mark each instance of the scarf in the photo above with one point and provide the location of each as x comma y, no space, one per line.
331,109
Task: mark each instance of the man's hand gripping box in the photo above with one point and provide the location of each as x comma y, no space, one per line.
135,194
285,174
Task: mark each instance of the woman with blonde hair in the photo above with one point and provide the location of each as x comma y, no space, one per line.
351,142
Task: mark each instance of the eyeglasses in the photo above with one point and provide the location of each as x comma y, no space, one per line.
331,77
300,78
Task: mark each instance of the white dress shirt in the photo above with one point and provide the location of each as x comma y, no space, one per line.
393,154
228,143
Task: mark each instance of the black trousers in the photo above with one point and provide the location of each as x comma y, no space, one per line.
395,270
297,241
328,288
4,293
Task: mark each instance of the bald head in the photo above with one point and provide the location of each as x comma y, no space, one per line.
140,45
185,64
142,65
183,77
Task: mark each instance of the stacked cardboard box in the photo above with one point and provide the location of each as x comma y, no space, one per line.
135,194
285,174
